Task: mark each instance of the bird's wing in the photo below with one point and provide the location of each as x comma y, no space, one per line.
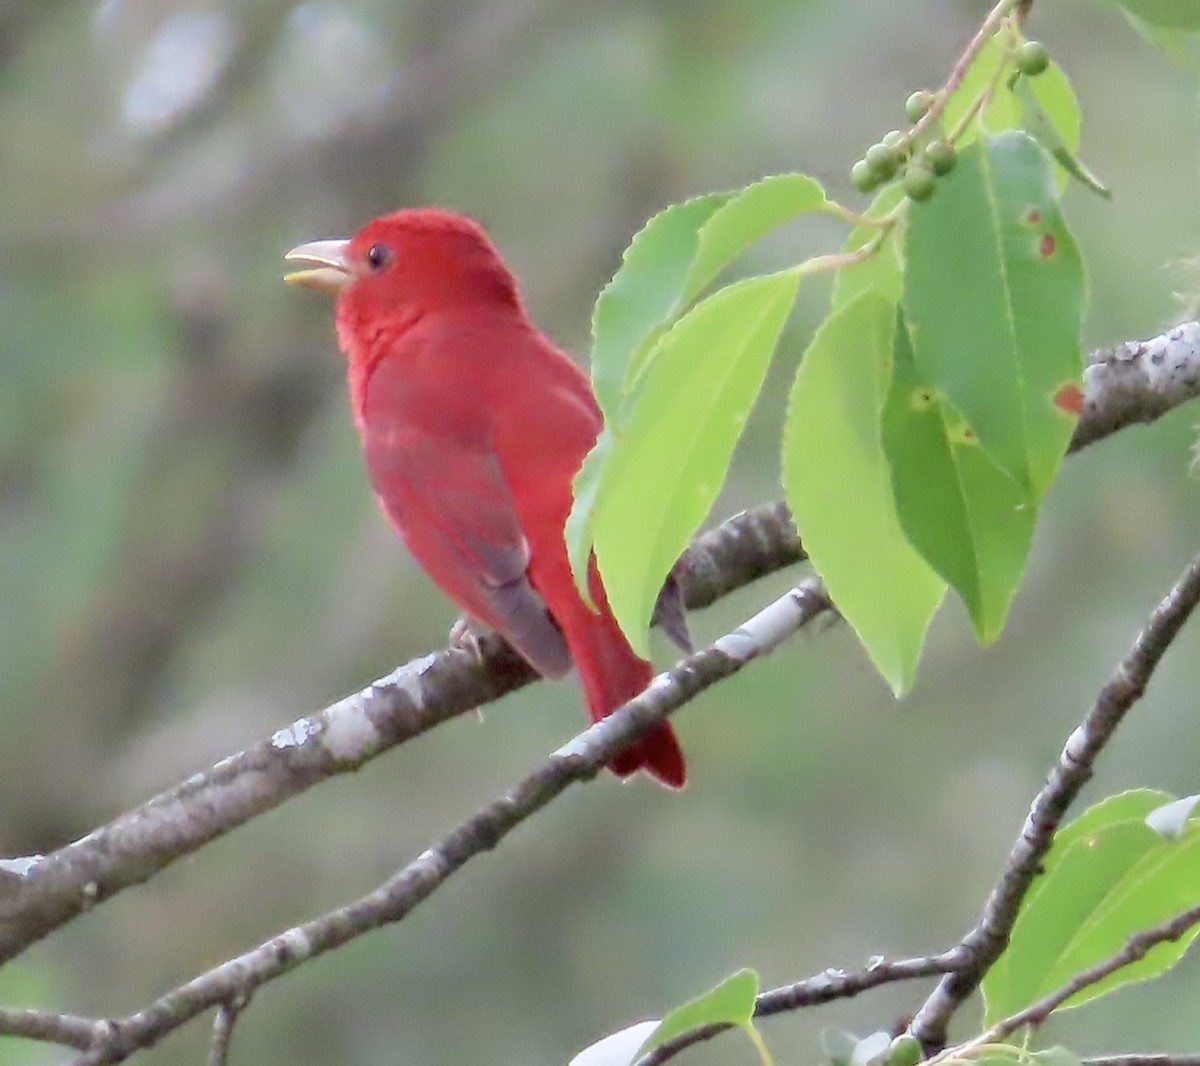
446,493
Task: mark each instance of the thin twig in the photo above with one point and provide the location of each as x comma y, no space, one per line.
824,987
840,984
222,1034
986,28
987,940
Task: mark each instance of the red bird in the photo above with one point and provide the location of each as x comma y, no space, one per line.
473,426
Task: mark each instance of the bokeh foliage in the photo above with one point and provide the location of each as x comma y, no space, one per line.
190,557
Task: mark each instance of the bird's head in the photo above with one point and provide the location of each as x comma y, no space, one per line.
406,264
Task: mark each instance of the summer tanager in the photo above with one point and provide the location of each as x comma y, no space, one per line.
473,425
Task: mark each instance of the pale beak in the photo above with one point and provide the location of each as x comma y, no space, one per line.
329,272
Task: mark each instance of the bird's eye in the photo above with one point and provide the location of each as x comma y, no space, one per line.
378,256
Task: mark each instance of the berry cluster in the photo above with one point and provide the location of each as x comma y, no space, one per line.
923,164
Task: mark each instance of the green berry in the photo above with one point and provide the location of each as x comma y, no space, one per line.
917,104
919,183
863,176
905,1050
883,161
894,139
1032,58
941,157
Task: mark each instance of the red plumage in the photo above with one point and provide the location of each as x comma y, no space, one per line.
473,425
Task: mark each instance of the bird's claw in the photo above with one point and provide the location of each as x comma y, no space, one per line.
463,635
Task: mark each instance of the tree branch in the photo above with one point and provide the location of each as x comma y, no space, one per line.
1138,381
1136,948
965,964
983,944
42,893
581,759
70,1030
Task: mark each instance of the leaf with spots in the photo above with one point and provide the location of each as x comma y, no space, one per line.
972,521
993,295
839,487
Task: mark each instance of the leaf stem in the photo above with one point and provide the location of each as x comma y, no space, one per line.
986,28
819,264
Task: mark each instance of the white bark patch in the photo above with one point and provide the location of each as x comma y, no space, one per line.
766,630
580,744
1172,360
299,732
349,733
407,679
298,946
21,866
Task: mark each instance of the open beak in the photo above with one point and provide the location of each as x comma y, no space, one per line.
327,270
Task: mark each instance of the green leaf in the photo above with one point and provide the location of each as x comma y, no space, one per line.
1053,97
739,222
882,273
993,72
1176,43
838,484
581,520
1167,14
1128,806
971,521
1135,804
993,293
1050,114
644,292
1098,889
1004,1055
746,217
667,264
668,465
669,261
730,1003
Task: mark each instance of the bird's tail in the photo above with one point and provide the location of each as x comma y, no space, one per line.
612,673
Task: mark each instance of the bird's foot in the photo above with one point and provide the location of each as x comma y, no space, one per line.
464,635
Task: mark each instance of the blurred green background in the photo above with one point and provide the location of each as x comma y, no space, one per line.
189,556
